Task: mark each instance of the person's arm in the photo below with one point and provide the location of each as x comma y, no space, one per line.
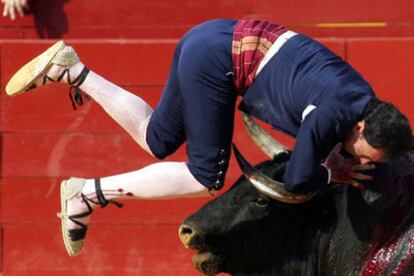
317,136
315,162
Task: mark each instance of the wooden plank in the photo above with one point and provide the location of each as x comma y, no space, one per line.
161,18
1,248
124,62
109,248
60,155
49,109
63,155
95,19
1,205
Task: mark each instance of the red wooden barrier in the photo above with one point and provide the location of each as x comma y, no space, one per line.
163,18
388,64
125,62
44,140
110,248
1,246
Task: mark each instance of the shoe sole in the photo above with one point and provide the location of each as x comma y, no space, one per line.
23,79
67,191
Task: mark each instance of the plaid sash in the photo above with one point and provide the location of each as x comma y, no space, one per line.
251,41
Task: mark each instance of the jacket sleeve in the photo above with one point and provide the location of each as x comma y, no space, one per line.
316,138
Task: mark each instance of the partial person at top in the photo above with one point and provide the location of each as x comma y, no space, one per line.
12,8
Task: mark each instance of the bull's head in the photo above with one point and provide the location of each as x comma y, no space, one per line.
341,231
245,224
252,198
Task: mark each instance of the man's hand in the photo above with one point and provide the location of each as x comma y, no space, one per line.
346,171
11,6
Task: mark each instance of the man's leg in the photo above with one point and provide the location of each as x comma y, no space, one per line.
130,111
206,85
161,180
60,63
157,181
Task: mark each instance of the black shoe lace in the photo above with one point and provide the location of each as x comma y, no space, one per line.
80,233
75,94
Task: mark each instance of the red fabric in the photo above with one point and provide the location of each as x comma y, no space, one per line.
251,41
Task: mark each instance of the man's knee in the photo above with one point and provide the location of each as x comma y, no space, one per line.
210,172
161,142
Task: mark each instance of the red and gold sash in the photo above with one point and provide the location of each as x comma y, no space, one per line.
251,41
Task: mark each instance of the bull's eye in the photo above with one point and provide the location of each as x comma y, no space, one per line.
261,201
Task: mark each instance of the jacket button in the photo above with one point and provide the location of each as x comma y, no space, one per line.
217,185
222,162
220,173
222,152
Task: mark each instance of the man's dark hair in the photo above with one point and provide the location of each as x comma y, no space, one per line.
386,127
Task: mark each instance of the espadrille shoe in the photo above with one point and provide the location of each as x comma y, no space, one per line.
35,73
24,79
74,238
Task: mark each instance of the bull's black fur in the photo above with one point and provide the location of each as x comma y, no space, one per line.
333,234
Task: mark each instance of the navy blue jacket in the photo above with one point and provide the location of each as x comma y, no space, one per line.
305,75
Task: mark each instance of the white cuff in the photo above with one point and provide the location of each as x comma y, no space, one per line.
329,173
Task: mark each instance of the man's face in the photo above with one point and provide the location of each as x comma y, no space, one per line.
357,145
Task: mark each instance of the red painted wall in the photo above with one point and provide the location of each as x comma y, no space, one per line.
170,19
131,43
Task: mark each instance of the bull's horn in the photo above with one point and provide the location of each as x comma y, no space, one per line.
270,146
272,188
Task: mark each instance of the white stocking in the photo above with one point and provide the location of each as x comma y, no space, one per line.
162,180
128,110
157,181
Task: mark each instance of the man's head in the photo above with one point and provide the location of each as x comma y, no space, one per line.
383,133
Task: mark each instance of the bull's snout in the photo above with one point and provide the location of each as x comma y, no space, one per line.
206,262
186,233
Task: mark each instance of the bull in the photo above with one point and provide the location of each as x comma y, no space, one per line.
256,229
